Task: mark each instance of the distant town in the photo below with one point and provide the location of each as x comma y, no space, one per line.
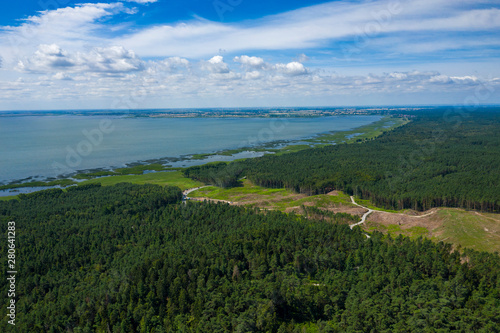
221,112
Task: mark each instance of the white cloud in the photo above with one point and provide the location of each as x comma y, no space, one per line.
303,58
216,65
46,58
314,26
440,79
114,59
224,76
160,87
62,76
51,58
398,76
310,27
72,28
214,79
293,68
176,62
253,75
253,62
82,53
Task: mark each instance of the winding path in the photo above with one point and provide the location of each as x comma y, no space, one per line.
381,211
185,193
369,211
365,215
185,197
419,216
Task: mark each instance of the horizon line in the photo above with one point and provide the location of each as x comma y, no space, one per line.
398,106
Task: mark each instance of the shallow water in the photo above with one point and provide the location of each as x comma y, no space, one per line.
48,146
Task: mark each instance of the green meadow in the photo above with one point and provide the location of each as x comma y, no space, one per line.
279,199
473,230
174,178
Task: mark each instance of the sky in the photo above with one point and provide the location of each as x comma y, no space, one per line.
140,54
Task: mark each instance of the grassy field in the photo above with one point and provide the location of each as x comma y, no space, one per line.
461,228
239,193
280,199
394,230
8,198
469,229
174,178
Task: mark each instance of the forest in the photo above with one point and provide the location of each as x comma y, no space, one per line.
135,258
441,158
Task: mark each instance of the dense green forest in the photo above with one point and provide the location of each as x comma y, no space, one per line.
131,258
440,158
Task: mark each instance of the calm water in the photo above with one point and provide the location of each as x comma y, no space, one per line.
48,146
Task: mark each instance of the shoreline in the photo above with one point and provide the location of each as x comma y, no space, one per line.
165,164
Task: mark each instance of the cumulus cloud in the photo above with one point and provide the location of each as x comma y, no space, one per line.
213,78
83,52
163,86
440,79
216,65
465,79
253,75
62,76
72,28
219,78
292,68
445,79
252,62
398,76
50,58
175,63
114,59
46,58
410,81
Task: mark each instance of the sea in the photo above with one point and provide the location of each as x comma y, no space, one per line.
41,147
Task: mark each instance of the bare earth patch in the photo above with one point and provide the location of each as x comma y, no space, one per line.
267,201
335,193
405,221
477,230
349,210
404,224
295,209
211,200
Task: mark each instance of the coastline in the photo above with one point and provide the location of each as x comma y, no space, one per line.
169,164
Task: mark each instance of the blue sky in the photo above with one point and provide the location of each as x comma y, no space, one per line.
166,11
64,54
